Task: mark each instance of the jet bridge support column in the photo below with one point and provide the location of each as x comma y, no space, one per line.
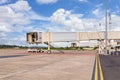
101,45
49,51
78,39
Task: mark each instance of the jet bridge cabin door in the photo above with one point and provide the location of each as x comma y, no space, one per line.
34,37
39,37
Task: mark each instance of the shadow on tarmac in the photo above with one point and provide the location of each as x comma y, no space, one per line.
11,56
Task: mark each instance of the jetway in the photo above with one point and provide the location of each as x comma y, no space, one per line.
48,37
41,37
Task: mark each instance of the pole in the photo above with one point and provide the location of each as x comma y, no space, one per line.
49,51
48,40
106,22
78,36
109,21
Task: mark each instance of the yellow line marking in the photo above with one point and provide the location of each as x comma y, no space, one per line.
100,68
96,70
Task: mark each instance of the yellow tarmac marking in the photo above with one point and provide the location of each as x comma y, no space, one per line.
96,71
98,67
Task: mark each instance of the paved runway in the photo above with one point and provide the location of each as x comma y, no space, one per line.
110,66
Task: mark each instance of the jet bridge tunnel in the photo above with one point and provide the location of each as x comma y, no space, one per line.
48,37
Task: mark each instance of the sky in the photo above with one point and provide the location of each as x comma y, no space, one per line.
17,17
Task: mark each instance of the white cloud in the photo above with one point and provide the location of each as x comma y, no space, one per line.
72,22
2,34
115,22
98,13
14,13
99,5
67,21
17,17
83,0
35,16
118,9
20,6
46,1
3,1
4,29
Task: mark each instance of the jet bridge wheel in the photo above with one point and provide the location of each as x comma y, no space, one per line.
49,51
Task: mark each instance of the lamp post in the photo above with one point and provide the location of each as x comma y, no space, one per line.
106,25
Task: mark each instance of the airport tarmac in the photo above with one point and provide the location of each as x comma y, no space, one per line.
111,67
20,65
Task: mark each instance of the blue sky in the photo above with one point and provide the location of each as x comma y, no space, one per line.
76,6
17,17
